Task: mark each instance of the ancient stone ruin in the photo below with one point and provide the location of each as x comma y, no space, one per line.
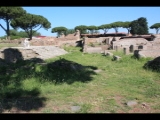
139,46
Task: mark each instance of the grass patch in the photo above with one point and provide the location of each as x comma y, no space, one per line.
58,83
8,45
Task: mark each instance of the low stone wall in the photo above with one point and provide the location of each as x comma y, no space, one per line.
97,49
42,42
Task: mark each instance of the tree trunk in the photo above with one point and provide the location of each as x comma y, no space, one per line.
157,31
128,31
30,35
116,30
7,31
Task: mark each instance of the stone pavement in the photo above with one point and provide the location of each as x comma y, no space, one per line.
42,52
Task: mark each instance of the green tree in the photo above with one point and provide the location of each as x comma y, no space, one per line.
9,13
105,27
116,25
139,26
155,26
13,32
70,31
29,22
59,30
134,27
82,29
127,25
92,28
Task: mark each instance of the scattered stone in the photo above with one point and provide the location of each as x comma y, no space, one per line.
144,105
141,55
108,53
131,103
75,108
97,71
117,58
102,52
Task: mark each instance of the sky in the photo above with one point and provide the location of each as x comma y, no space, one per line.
70,17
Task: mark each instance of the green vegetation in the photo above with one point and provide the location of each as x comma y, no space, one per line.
92,28
82,29
116,25
59,30
54,85
14,34
105,27
139,26
2,45
69,31
29,22
155,26
8,14
127,25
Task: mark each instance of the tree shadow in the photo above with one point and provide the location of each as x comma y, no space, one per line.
65,71
13,97
15,70
18,100
12,55
153,65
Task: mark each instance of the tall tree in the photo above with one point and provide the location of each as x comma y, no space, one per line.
30,22
127,25
116,25
82,29
59,30
134,27
139,26
92,28
9,13
105,27
155,26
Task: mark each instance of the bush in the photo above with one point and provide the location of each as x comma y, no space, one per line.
15,37
3,37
